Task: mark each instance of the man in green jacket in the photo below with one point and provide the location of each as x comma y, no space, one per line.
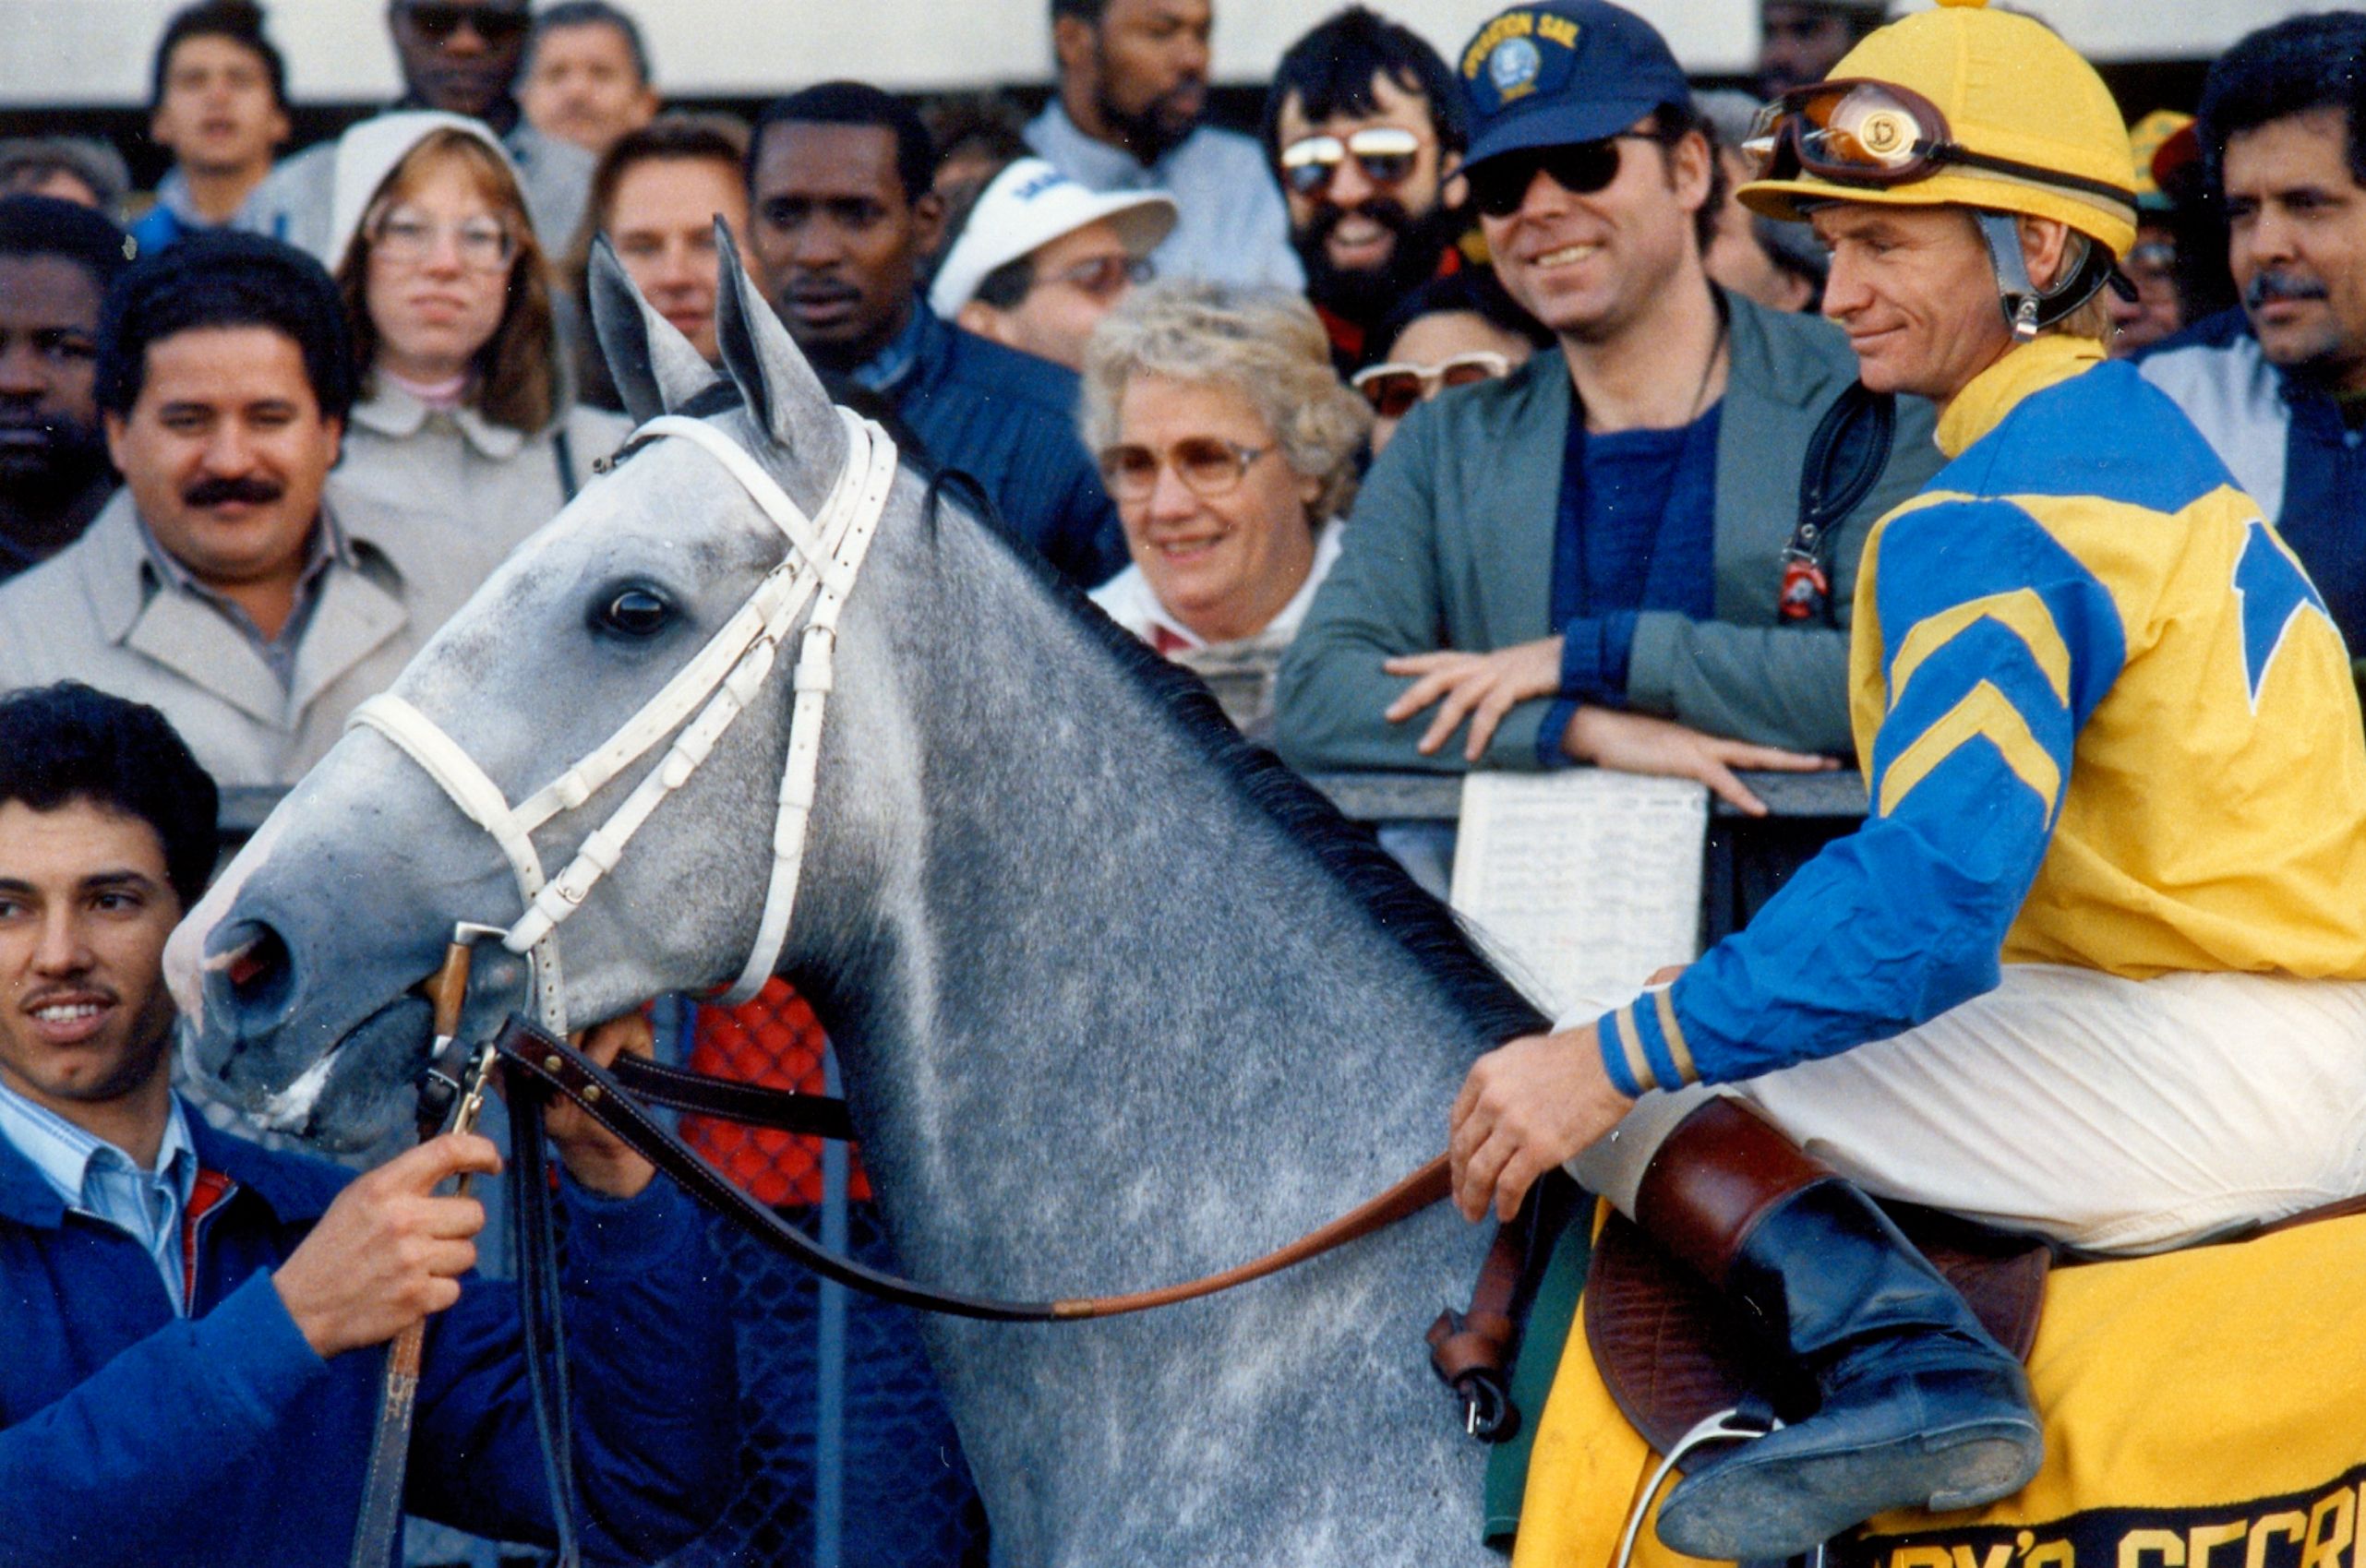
1586,561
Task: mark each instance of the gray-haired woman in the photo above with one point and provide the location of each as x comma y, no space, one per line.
1228,445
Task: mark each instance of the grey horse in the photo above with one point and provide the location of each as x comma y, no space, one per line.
1118,1000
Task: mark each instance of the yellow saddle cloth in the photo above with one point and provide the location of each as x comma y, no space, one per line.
2203,1409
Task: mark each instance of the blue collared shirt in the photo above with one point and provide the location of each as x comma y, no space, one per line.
1230,225
93,1176
886,371
327,546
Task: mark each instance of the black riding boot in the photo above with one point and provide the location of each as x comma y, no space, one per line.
1918,1406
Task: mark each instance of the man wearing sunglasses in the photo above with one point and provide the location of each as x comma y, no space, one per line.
1800,39
2092,968
1039,260
1584,562
461,57
1365,126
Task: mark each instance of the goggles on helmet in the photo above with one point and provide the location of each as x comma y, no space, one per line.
1857,132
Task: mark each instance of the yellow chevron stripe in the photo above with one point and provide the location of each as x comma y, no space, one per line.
1983,712
1639,1066
1685,1071
2021,612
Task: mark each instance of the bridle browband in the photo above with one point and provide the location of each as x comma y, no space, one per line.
721,680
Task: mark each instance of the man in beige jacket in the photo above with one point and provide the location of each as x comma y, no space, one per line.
223,585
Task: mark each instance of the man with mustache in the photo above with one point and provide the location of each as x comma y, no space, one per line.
1133,87
221,584
461,57
1366,125
56,259
838,179
195,1377
2279,387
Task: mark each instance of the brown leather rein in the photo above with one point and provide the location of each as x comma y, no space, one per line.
619,1099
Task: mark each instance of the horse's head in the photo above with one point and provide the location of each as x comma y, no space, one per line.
569,668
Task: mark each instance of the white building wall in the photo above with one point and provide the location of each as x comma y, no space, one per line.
96,51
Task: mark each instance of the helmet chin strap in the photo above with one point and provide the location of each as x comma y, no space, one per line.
2027,308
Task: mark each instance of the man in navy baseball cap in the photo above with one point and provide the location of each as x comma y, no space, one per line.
1547,76
1584,562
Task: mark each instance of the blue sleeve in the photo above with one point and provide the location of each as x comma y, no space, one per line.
1595,650
113,1471
1997,644
649,1342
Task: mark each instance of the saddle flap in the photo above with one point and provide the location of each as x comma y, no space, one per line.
1673,1353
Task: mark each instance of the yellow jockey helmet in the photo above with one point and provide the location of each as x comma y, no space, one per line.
1964,106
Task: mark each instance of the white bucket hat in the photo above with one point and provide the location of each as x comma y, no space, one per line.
1031,204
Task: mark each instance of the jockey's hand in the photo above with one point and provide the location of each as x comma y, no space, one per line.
389,1250
1525,1108
1484,687
595,1157
1638,743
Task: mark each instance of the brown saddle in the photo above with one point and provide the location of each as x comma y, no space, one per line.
1673,1354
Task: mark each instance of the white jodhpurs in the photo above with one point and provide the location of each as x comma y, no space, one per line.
2112,1114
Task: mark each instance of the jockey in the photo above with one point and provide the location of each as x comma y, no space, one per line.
2092,967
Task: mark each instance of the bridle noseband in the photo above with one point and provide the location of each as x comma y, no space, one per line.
719,683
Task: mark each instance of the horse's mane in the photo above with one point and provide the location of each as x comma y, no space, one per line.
1424,927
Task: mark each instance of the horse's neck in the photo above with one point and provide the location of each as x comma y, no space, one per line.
1108,1025
1103,963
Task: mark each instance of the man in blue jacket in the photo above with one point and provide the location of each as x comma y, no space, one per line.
186,1314
843,216
2279,387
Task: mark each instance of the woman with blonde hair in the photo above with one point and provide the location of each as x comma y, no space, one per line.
466,418
1228,445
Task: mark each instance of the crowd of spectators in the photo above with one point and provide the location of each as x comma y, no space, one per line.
1456,417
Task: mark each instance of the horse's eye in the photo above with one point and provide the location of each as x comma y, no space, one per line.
635,612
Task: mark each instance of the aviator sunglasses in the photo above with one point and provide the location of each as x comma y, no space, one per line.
493,24
1393,390
1102,276
1859,132
1499,185
1386,153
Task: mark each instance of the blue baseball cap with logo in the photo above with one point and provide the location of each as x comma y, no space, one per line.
1573,70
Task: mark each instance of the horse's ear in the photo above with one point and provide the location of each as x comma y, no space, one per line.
780,388
655,367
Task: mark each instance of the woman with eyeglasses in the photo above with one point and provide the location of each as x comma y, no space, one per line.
1452,331
466,420
1228,445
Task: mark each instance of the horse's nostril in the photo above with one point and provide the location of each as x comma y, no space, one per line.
249,963
254,959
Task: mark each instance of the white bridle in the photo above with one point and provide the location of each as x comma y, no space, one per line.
825,555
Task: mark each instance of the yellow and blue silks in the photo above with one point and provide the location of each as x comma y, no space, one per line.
2105,721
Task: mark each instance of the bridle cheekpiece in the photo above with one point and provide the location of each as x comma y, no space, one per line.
721,680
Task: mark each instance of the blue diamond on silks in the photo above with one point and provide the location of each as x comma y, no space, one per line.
2273,591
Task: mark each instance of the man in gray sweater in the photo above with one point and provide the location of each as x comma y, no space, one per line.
1590,561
